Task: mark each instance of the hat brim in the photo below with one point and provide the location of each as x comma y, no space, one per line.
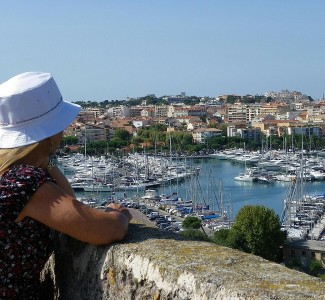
30,132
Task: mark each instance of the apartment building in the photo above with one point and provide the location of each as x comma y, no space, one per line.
119,111
202,135
177,99
148,112
197,111
180,112
161,111
306,130
251,134
269,109
86,116
91,133
236,113
135,111
252,111
271,127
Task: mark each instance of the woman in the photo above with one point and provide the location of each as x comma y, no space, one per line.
34,195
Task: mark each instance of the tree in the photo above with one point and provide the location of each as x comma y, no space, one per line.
180,140
220,237
231,99
69,140
117,143
257,230
315,267
223,127
97,148
192,223
122,134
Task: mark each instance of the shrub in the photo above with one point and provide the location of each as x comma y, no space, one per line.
194,234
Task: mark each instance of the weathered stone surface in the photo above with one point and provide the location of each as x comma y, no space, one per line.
151,264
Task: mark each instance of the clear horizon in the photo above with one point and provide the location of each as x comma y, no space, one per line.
110,50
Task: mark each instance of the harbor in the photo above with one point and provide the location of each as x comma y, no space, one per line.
205,185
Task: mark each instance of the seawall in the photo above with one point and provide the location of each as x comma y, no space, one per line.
158,265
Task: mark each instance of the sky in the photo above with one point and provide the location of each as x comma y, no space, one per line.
109,50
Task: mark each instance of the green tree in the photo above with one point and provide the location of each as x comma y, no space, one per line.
121,134
69,140
257,230
315,267
158,127
223,127
220,237
231,99
97,148
117,143
180,140
137,140
192,223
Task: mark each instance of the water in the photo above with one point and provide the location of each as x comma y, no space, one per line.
236,194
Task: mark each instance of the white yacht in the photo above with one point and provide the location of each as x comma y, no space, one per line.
245,177
286,177
317,175
98,187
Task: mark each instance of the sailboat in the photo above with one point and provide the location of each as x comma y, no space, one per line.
300,211
287,177
247,176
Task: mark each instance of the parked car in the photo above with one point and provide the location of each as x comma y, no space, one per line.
171,228
160,220
177,225
153,215
148,211
164,225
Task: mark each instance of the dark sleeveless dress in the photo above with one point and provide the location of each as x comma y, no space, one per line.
26,246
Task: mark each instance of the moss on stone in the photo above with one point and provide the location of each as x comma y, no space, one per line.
111,276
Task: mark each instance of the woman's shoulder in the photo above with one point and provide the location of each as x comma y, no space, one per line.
24,174
24,170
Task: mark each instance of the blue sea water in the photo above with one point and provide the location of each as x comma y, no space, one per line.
214,173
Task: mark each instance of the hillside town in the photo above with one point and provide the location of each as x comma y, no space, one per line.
248,117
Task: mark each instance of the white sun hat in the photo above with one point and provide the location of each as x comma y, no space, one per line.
32,109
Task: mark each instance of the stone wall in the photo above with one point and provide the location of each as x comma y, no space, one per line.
157,265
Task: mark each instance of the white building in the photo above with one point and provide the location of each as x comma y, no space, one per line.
119,111
202,135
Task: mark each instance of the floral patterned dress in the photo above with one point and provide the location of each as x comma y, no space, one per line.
24,246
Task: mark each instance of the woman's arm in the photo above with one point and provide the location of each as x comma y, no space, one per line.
56,208
60,180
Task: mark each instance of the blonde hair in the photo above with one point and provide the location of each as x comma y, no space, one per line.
10,156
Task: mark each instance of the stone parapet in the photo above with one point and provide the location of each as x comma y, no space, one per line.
157,265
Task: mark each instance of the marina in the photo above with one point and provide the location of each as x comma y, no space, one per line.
207,186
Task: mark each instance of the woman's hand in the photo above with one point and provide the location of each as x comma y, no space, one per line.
121,209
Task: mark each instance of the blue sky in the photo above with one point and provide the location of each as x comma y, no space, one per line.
104,49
